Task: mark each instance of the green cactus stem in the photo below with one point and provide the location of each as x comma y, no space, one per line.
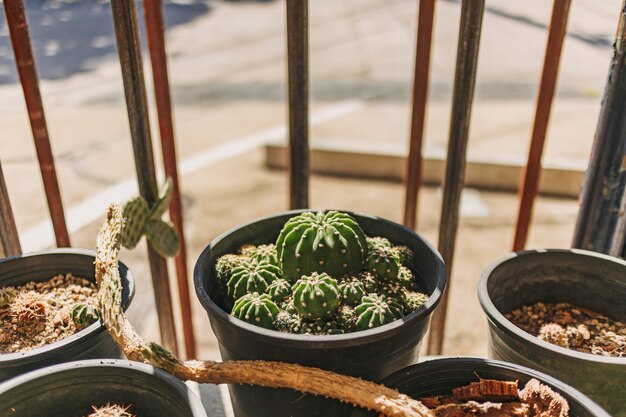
375,311
256,309
251,277
374,243
261,253
316,296
7,295
392,290
351,290
370,282
383,263
225,265
346,318
330,242
287,322
412,300
320,327
404,254
279,290
406,277
84,316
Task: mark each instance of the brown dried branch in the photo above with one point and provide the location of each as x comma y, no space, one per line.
268,374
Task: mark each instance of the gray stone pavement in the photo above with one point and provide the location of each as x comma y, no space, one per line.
228,76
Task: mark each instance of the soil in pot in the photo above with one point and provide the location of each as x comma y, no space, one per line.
369,354
73,389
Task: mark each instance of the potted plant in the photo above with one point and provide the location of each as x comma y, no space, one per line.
370,354
574,284
77,389
91,342
441,376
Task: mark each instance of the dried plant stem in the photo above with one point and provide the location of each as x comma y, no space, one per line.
268,374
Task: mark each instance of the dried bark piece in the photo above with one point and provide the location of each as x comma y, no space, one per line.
487,390
543,400
486,409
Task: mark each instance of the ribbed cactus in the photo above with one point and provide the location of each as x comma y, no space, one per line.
351,290
251,277
346,318
279,290
404,254
261,253
412,300
375,311
371,283
320,327
330,242
316,296
384,263
287,322
7,294
405,277
225,265
374,243
84,315
392,290
256,309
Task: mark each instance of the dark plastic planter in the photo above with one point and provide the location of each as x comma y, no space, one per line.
90,343
587,279
70,389
370,354
440,376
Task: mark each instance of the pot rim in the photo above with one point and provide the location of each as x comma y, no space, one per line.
505,325
179,386
440,362
320,341
78,337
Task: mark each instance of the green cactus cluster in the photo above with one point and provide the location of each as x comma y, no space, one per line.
323,276
84,315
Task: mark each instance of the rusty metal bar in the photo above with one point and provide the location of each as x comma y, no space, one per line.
529,186
25,61
298,86
9,239
463,95
414,163
601,222
129,49
155,31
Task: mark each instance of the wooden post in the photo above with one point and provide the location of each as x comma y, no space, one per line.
9,239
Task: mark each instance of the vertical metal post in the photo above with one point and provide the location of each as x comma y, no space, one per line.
463,95
9,239
414,165
25,61
155,30
530,181
129,48
601,223
298,87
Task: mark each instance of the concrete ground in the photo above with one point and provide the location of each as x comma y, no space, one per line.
228,78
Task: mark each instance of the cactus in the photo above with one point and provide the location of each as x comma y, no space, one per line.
392,290
320,327
375,311
261,253
370,282
330,242
28,307
251,277
383,263
256,309
374,243
346,318
84,315
412,300
7,295
109,410
404,254
406,277
316,296
351,290
225,265
279,290
287,322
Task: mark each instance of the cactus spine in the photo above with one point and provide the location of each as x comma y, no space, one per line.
251,277
383,263
375,311
316,296
330,242
279,290
352,290
261,253
256,309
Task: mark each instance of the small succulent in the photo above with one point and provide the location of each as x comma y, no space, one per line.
351,290
346,318
261,253
371,284
287,322
320,327
7,295
251,277
375,311
316,296
324,242
225,265
110,410
287,305
374,243
412,300
84,315
27,307
405,277
384,263
255,308
404,254
392,290
279,290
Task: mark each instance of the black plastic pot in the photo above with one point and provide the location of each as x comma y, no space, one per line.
90,343
70,389
440,376
586,279
370,354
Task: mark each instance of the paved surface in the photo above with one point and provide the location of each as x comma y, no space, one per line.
228,76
